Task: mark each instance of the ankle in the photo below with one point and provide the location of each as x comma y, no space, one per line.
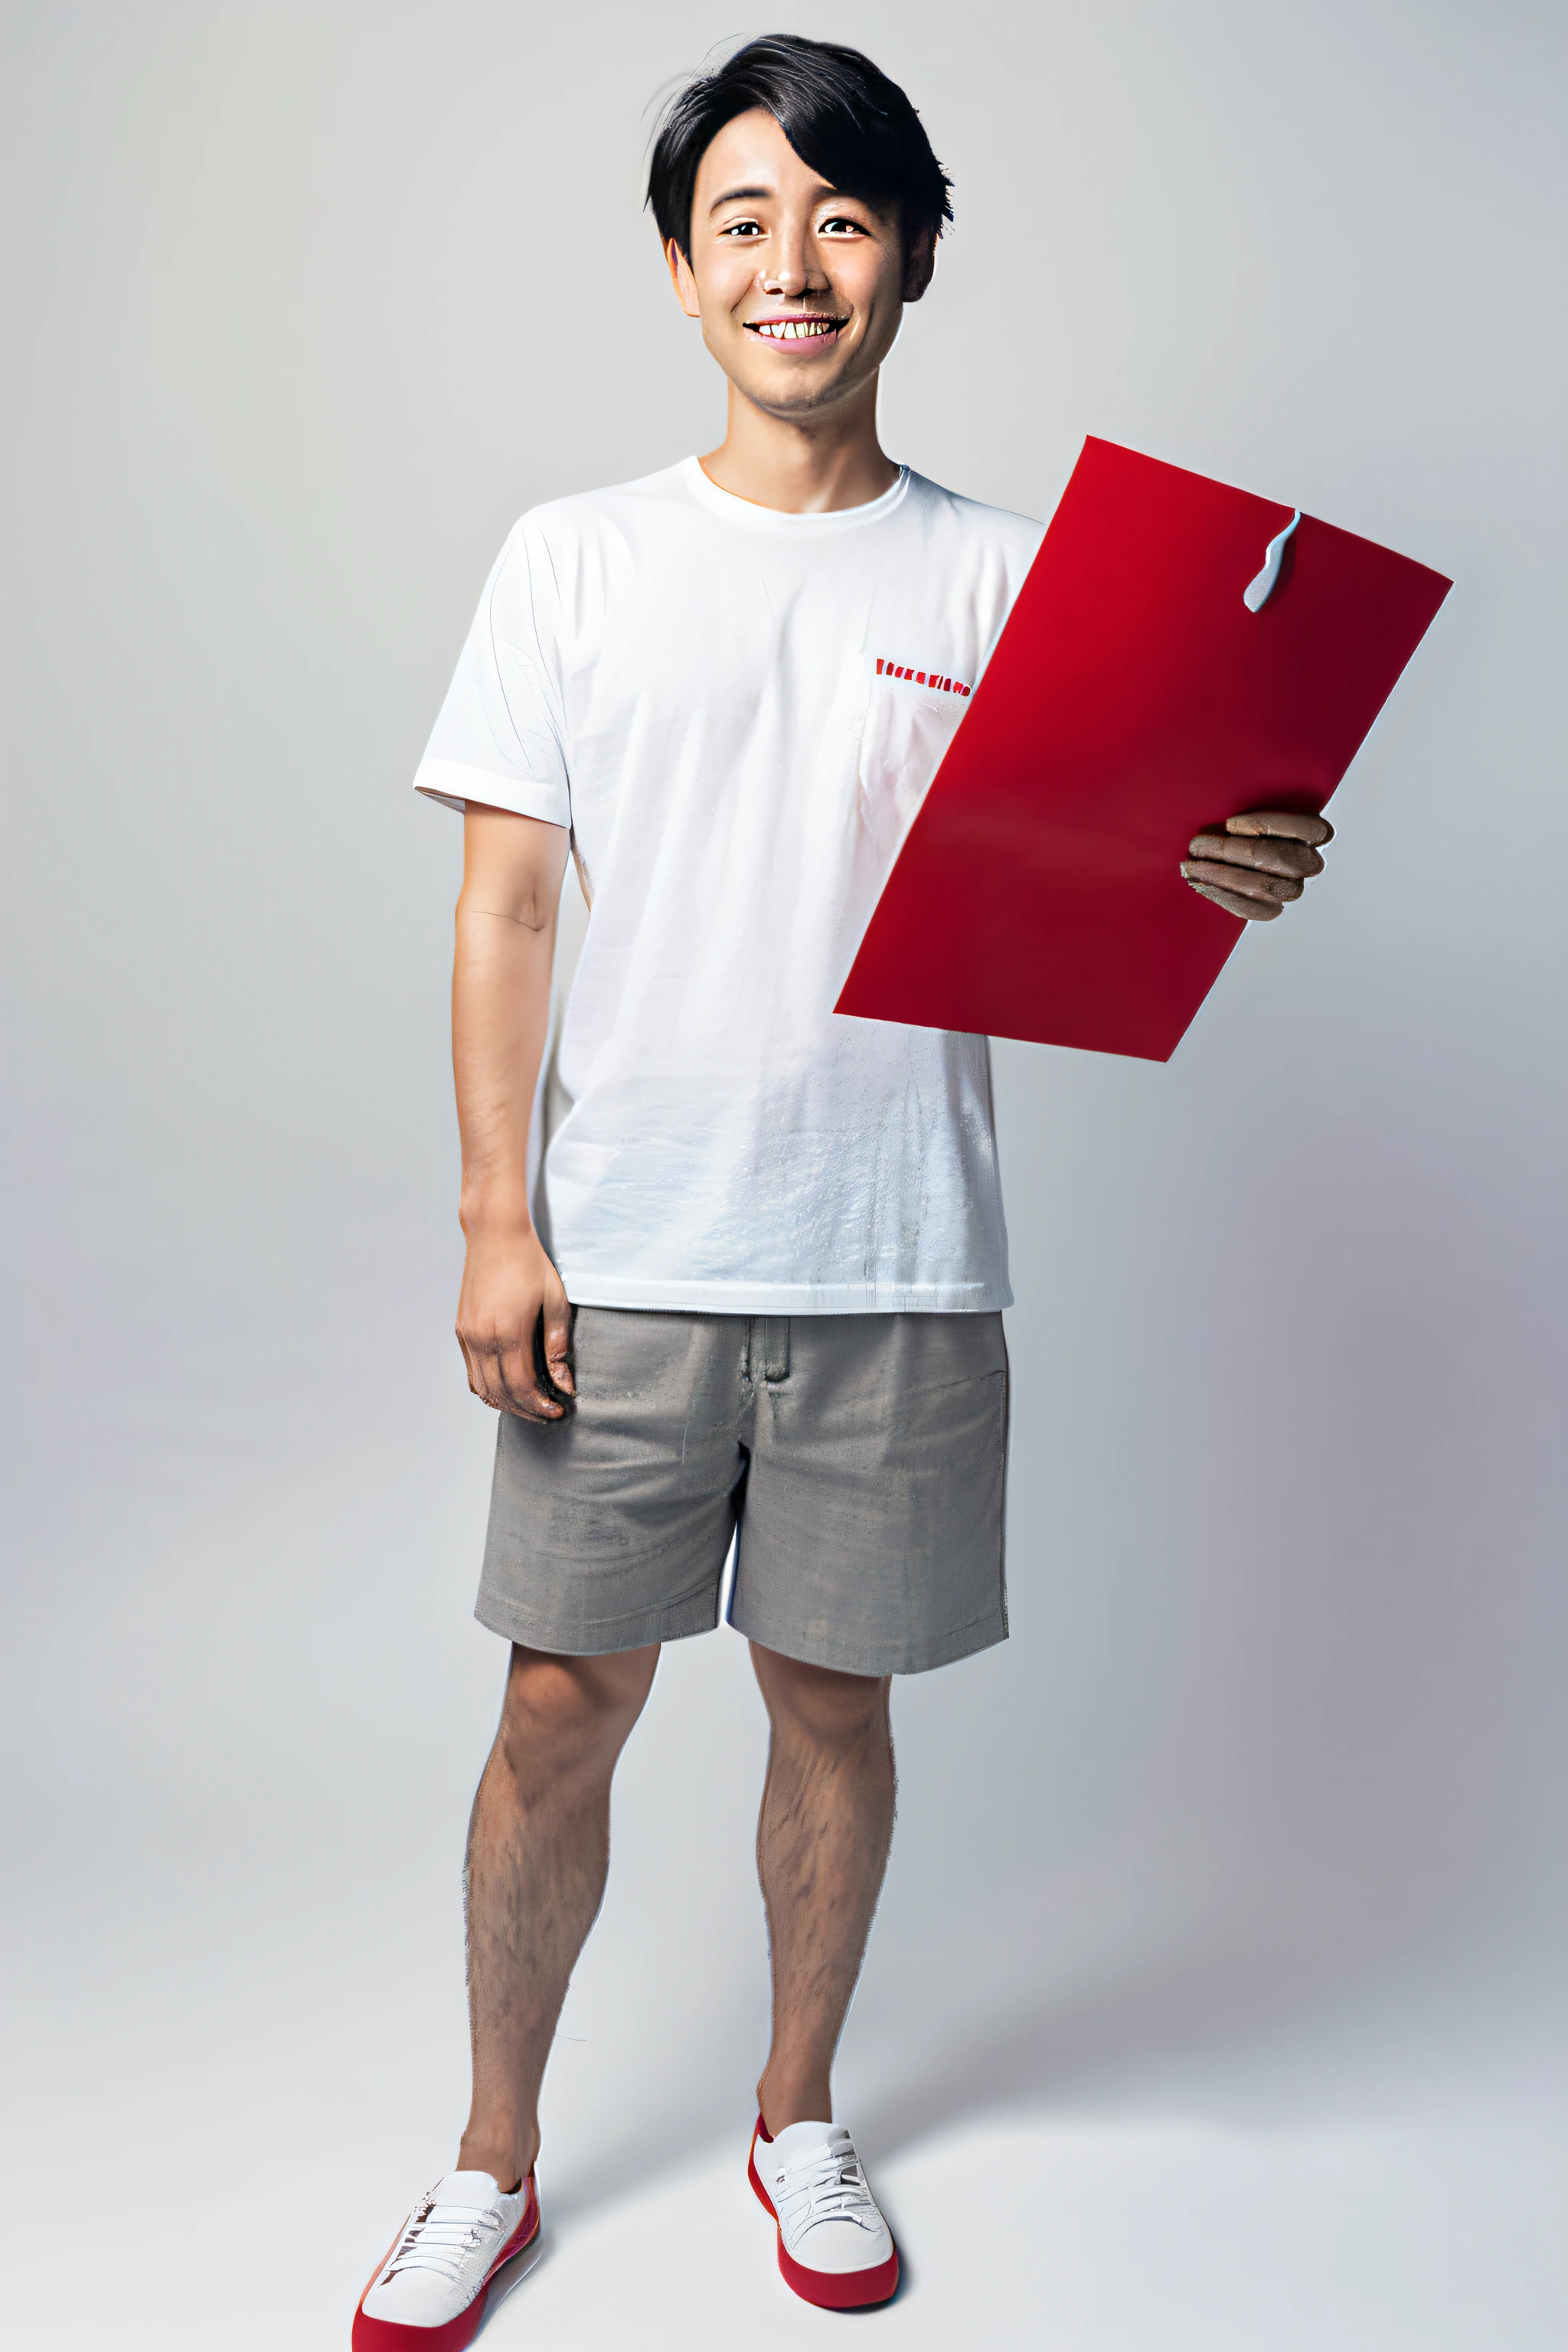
784,2100
507,2157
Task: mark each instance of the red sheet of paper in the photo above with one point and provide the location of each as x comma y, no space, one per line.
1131,701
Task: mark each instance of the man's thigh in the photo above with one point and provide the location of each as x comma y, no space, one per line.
610,1530
871,1539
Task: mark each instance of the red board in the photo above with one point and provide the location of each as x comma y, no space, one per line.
1133,700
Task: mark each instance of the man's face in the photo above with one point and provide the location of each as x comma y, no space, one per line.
799,288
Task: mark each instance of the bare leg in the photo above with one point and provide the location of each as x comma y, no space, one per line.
822,1847
539,1849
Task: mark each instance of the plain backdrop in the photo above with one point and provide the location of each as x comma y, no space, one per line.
1221,1946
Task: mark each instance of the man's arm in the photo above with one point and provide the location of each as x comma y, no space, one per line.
1260,862
512,1295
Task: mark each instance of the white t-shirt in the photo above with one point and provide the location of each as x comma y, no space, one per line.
738,713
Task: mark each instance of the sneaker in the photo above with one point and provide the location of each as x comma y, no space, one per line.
429,2296
835,2248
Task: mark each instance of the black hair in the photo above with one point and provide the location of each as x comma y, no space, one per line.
841,115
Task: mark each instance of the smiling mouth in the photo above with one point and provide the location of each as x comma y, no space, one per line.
793,330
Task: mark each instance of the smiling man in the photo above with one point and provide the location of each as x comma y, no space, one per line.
756,1294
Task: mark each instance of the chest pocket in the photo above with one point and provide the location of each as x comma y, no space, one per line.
905,735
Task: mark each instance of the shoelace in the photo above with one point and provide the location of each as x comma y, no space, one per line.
439,2236
826,2186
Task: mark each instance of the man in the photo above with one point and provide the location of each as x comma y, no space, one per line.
763,1296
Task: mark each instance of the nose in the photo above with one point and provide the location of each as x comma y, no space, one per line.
788,269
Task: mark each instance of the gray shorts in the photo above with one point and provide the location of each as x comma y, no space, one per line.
861,1460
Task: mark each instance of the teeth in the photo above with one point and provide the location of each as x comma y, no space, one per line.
795,330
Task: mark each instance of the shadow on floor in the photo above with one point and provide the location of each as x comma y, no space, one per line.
1120,2032
1124,2030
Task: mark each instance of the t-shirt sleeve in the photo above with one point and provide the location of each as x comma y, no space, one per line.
501,737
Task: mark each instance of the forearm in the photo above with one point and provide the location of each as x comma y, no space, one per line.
500,1020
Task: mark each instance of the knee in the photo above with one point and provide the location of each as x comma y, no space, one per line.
818,1705
571,1713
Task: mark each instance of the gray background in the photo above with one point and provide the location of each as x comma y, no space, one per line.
1255,1826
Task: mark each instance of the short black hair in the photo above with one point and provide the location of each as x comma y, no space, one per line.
840,113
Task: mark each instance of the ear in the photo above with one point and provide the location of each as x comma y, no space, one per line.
681,278
919,264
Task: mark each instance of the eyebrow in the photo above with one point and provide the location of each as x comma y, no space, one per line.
751,195
734,195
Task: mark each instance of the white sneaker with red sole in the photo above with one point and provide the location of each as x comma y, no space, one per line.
430,2293
835,2248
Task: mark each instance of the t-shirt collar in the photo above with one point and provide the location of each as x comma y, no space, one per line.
751,517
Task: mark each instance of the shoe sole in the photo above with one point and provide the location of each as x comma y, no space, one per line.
829,2290
396,2336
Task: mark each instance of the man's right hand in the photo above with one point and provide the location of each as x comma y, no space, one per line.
511,1290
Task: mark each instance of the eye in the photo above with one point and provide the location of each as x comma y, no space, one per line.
841,224
742,229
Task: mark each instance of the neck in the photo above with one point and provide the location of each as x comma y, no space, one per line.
816,465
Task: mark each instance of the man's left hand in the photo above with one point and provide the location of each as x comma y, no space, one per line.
1259,862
